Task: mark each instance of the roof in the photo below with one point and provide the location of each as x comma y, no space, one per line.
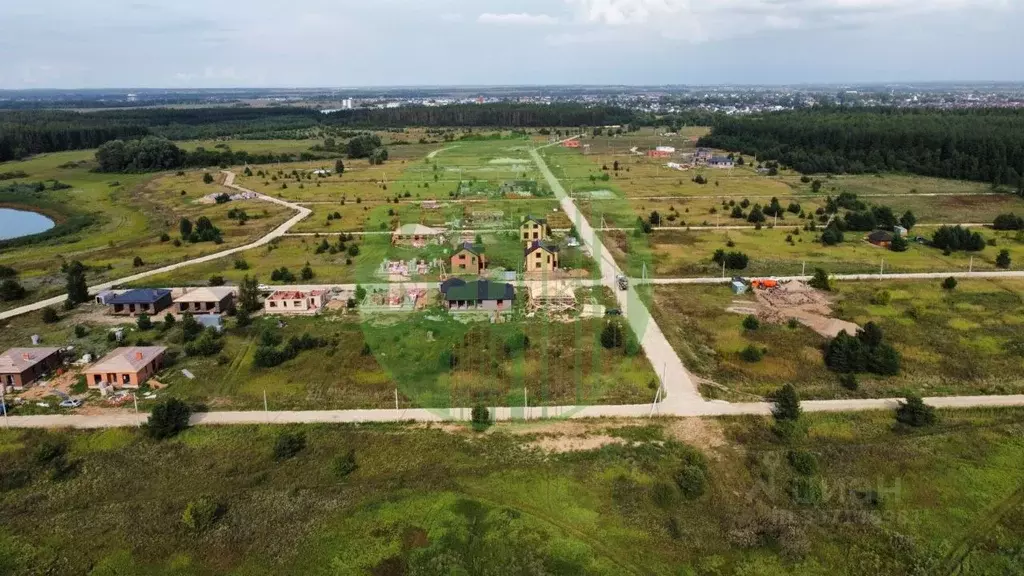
880,236
481,290
210,294
140,296
537,245
720,159
451,283
17,360
531,218
470,247
128,359
417,230
293,294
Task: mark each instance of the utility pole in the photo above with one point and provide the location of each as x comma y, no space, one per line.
723,268
971,265
881,268
266,407
803,268
135,399
396,399
3,403
526,405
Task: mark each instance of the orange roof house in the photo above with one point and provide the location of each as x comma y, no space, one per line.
20,367
125,367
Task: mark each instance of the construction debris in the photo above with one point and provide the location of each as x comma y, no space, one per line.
778,302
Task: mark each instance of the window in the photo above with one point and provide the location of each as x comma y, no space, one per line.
549,260
273,304
462,266
501,302
462,256
536,236
298,304
538,265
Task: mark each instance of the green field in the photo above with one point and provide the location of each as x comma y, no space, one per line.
443,501
961,342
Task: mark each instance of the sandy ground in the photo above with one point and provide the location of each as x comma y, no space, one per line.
795,300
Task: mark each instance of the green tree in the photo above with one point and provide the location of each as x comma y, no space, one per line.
169,321
751,323
345,465
692,481
1003,259
908,220
820,280
78,290
200,515
50,315
249,294
207,178
143,322
914,412
786,404
339,166
185,228
480,417
307,272
168,418
898,244
10,290
360,293
288,445
611,335
949,283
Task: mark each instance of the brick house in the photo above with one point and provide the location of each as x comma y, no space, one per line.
534,229
141,301
212,300
20,367
541,257
125,367
296,302
469,259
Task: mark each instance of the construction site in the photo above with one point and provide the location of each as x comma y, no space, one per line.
778,302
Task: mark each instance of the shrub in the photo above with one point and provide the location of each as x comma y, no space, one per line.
480,417
516,342
751,354
49,450
806,491
241,264
50,315
955,238
786,404
751,323
143,322
820,280
803,462
949,283
207,178
1003,259
168,418
288,445
731,260
1008,222
207,344
345,465
216,281
307,272
200,515
80,331
169,321
914,412
611,335
898,244
848,381
692,481
11,289
881,298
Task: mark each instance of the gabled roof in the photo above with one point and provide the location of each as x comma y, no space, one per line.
451,283
206,294
128,359
531,218
481,290
720,159
17,360
538,245
417,230
140,296
471,248
880,236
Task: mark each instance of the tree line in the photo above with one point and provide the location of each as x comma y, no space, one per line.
501,115
985,145
152,154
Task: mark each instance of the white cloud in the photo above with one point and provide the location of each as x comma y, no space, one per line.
520,19
704,20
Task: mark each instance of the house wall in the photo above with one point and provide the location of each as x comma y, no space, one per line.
225,304
22,379
136,309
466,261
531,231
542,260
116,379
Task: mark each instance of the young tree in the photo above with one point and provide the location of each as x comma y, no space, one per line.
11,289
751,323
78,291
185,228
288,445
50,315
207,178
1003,259
169,320
820,280
339,166
949,283
908,220
914,412
898,244
360,293
137,262
787,404
611,335
480,417
345,465
168,418
249,294
655,218
307,272
143,322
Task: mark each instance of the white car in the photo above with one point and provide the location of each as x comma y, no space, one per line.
70,403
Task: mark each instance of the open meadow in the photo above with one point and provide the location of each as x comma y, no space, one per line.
964,341
658,496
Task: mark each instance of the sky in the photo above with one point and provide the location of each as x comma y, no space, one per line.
348,43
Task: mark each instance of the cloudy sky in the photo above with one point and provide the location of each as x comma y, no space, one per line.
270,43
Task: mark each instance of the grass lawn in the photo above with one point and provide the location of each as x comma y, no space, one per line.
434,501
961,342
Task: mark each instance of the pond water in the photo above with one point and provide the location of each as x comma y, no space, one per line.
14,223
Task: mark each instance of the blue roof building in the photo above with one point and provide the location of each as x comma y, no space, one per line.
140,301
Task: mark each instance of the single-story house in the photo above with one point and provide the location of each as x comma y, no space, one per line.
658,154
296,302
20,367
103,298
140,301
477,295
881,238
416,234
574,143
125,367
207,300
668,149
541,256
702,154
533,229
721,162
468,259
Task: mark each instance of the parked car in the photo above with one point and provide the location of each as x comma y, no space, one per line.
70,403
623,282
613,312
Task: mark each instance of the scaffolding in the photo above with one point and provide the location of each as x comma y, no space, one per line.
552,296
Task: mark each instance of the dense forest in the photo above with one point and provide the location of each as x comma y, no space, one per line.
490,115
23,133
981,145
153,153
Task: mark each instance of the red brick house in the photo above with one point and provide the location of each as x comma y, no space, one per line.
469,259
125,367
20,367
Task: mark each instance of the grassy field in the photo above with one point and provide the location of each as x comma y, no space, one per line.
961,342
437,501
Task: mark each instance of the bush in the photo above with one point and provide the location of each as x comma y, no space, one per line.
751,354
866,352
11,290
345,465
207,178
881,298
949,283
143,322
50,315
81,331
1003,259
480,417
692,481
803,462
731,260
786,404
216,281
288,445
751,323
207,344
611,335
200,515
848,381
820,280
516,342
168,418
137,262
49,450
956,238
914,412
806,491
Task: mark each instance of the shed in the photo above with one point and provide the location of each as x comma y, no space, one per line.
738,287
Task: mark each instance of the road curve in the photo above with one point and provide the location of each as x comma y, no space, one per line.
301,212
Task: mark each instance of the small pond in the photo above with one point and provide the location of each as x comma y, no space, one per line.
15,223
